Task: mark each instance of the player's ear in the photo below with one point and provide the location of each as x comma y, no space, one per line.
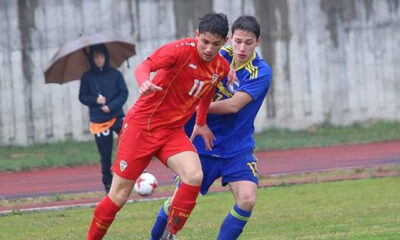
258,41
197,33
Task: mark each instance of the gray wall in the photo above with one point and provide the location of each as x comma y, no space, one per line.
334,61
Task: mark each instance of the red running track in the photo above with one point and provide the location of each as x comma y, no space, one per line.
46,182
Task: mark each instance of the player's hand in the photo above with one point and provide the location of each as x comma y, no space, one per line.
101,100
147,87
205,132
231,78
105,109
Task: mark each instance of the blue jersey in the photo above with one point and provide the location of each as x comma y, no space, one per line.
234,132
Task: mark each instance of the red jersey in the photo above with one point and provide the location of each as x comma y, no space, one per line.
186,80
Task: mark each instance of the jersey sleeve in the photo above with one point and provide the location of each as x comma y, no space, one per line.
142,71
256,86
204,105
166,55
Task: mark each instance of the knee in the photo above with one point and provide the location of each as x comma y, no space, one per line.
118,198
246,201
119,195
194,177
197,177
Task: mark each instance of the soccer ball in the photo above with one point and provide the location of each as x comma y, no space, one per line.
145,184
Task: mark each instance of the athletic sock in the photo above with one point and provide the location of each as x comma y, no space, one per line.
161,221
103,216
233,224
181,206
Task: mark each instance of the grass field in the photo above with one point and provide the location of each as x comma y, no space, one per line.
60,154
79,153
364,209
369,131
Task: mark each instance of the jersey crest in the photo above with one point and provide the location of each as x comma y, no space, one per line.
214,78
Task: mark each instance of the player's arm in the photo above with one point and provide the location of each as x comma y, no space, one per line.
142,75
231,105
163,57
231,77
201,128
248,91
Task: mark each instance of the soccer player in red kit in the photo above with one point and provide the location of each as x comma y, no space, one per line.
188,72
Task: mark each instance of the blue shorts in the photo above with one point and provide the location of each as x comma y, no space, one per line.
237,168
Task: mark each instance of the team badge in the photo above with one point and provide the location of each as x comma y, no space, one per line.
214,78
122,165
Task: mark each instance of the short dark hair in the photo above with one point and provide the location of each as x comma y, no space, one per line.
247,23
99,48
98,51
214,23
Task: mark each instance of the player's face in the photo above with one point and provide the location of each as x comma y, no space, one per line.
99,59
244,44
208,45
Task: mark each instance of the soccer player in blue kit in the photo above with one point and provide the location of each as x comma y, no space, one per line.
231,119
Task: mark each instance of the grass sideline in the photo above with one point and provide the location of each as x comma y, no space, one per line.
71,153
364,209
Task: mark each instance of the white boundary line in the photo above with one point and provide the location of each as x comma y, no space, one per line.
69,206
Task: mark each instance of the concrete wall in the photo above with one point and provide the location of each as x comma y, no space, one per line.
334,61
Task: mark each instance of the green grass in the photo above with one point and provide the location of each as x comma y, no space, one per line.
79,153
59,154
370,131
364,209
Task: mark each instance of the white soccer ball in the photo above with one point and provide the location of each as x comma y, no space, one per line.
145,184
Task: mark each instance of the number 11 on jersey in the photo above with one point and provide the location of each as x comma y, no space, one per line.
196,85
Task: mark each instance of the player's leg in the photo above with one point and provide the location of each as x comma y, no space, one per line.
133,156
210,166
187,166
104,142
107,208
241,174
179,154
245,195
161,221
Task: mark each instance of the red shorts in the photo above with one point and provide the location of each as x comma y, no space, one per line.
136,148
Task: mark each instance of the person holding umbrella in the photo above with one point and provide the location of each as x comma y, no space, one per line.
104,91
